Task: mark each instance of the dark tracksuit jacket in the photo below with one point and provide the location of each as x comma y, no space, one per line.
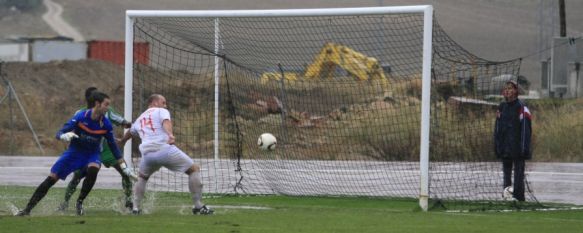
512,133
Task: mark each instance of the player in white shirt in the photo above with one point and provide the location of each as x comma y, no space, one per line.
154,127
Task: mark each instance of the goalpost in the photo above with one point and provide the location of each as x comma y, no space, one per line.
346,91
426,11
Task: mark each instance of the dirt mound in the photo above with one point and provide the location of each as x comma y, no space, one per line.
50,93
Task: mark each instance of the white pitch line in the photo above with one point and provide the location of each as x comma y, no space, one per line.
241,207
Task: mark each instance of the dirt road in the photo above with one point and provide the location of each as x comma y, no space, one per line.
57,23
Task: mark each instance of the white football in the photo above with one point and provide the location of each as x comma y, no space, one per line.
267,141
507,194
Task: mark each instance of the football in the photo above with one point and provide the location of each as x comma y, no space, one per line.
507,194
267,141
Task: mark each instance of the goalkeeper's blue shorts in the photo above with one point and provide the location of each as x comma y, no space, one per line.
73,160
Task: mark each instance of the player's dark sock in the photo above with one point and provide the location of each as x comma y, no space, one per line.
39,193
72,187
127,189
88,183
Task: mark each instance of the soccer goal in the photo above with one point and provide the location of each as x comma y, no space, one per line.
360,100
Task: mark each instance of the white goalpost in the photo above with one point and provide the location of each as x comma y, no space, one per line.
223,140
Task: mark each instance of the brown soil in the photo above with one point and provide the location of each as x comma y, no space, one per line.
50,93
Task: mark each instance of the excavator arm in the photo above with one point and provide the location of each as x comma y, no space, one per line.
357,64
333,55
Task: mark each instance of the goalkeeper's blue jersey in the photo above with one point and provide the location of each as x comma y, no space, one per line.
90,133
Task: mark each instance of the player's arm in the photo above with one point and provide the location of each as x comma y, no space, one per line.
117,119
66,132
167,125
111,141
117,154
526,131
128,135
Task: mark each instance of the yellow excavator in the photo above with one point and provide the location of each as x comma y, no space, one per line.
358,65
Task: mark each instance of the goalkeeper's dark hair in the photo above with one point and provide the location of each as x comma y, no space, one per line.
88,92
96,96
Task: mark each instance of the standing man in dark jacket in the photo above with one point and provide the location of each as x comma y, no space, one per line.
512,136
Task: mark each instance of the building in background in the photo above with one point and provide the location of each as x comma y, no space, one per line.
561,74
114,51
45,49
14,51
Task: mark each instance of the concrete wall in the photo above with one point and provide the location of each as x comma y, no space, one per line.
12,52
44,51
565,54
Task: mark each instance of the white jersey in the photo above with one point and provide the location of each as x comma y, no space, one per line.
149,127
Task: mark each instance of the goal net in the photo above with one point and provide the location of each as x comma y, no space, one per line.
345,91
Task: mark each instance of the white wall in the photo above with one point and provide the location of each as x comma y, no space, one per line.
44,51
14,52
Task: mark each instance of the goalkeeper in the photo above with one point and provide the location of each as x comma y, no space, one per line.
85,132
106,157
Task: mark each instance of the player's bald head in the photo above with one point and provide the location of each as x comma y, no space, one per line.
157,100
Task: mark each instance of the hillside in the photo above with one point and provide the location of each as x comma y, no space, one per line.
51,93
27,22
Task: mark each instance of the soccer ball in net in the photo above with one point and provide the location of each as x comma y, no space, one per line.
266,141
507,194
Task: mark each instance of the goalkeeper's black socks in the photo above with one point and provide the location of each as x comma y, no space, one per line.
88,183
39,193
72,187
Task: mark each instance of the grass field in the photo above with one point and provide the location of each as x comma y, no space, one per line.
170,212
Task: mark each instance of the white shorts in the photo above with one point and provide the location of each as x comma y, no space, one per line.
169,157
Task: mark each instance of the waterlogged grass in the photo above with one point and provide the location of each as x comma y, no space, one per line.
170,212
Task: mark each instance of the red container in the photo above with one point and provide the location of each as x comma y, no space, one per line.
114,51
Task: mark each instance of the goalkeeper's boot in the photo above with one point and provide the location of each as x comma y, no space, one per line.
202,210
129,205
79,207
136,212
63,207
23,213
